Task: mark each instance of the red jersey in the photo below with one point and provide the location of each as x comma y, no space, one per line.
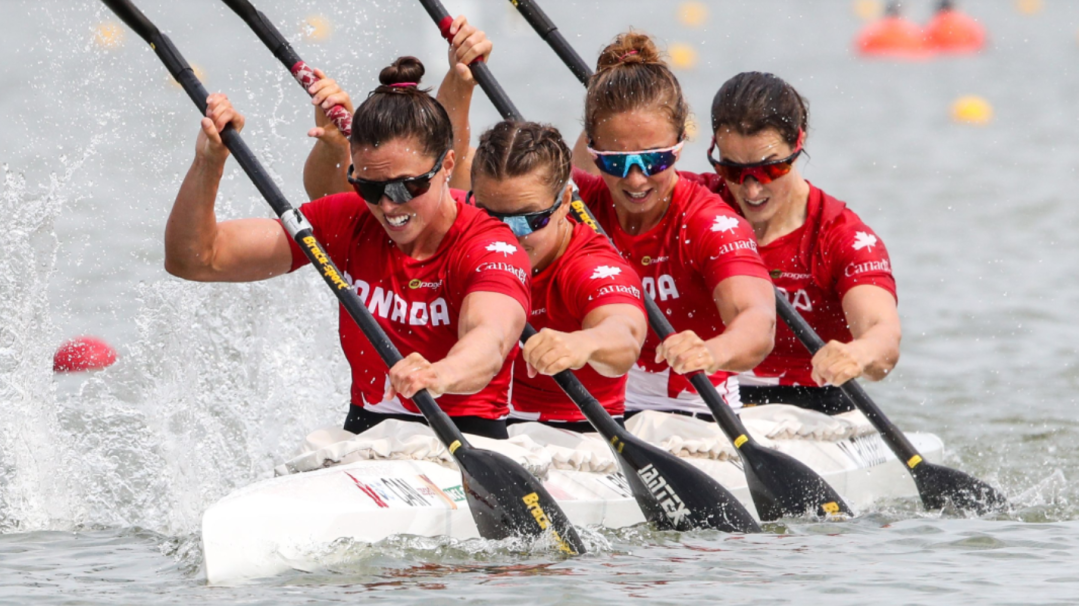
697,244
589,274
416,302
815,266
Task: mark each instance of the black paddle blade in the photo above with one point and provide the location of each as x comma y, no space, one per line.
508,501
675,495
939,486
781,486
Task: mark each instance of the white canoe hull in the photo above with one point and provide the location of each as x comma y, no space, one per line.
284,523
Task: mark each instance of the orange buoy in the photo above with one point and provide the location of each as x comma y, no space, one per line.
893,37
950,31
83,353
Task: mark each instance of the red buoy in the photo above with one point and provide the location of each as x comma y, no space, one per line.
950,31
83,353
893,37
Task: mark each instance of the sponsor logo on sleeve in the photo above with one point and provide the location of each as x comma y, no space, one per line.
869,266
730,247
605,271
502,247
724,223
864,240
517,272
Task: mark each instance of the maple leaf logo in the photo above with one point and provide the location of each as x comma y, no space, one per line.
502,247
864,240
606,271
724,223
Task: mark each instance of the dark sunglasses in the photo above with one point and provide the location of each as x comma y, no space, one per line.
764,172
650,161
522,224
398,191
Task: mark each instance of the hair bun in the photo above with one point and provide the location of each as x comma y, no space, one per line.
629,48
405,70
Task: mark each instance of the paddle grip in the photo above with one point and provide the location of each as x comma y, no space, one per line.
480,71
279,46
589,405
891,434
550,34
291,218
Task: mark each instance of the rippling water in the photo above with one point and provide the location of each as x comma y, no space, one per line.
103,478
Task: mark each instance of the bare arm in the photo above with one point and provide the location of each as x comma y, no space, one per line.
197,247
326,168
873,318
455,93
609,341
488,327
748,308
582,159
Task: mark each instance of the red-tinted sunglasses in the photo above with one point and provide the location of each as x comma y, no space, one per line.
764,172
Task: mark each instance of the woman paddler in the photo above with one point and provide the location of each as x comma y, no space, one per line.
696,257
447,283
831,266
586,300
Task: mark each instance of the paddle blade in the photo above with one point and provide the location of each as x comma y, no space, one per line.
508,501
939,486
781,486
675,495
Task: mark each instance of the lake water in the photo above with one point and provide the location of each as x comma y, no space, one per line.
104,477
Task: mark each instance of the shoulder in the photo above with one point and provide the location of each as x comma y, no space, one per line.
840,227
590,186
590,254
706,212
710,181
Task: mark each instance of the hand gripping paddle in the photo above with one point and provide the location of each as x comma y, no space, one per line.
505,500
281,49
937,485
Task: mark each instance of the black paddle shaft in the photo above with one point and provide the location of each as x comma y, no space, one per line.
281,49
898,442
480,71
550,34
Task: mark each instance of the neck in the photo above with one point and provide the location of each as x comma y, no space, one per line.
789,216
542,262
426,244
638,223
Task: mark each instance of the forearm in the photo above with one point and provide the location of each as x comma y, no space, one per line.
326,168
746,342
878,350
192,225
614,346
455,95
473,361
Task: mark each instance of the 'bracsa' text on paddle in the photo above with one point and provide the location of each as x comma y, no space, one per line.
281,49
779,484
673,494
505,500
937,485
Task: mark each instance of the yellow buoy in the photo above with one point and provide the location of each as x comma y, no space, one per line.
199,73
683,56
692,14
972,109
109,35
317,28
1028,7
868,10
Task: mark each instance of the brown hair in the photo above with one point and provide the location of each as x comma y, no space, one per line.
631,75
752,102
515,149
402,111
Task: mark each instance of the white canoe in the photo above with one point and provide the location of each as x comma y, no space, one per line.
288,522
